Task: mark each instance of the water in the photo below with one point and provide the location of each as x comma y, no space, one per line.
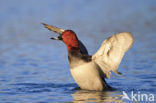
34,69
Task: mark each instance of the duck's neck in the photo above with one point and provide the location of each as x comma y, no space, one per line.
71,48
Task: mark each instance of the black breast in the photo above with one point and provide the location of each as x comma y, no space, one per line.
77,58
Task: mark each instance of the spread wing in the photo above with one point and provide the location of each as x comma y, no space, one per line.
110,54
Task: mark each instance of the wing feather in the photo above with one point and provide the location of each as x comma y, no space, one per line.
111,52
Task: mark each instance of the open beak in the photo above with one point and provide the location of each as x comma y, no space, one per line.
56,30
57,38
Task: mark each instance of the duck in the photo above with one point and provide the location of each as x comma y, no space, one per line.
90,71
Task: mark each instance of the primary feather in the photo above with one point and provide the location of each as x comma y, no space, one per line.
110,54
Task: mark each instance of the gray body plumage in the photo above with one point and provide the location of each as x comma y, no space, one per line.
89,71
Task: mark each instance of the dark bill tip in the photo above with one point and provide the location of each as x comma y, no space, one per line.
53,38
56,38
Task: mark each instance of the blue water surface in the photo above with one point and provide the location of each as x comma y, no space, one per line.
34,69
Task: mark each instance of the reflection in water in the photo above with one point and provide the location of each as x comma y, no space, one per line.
55,92
82,96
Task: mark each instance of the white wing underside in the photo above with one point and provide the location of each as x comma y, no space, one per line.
110,54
